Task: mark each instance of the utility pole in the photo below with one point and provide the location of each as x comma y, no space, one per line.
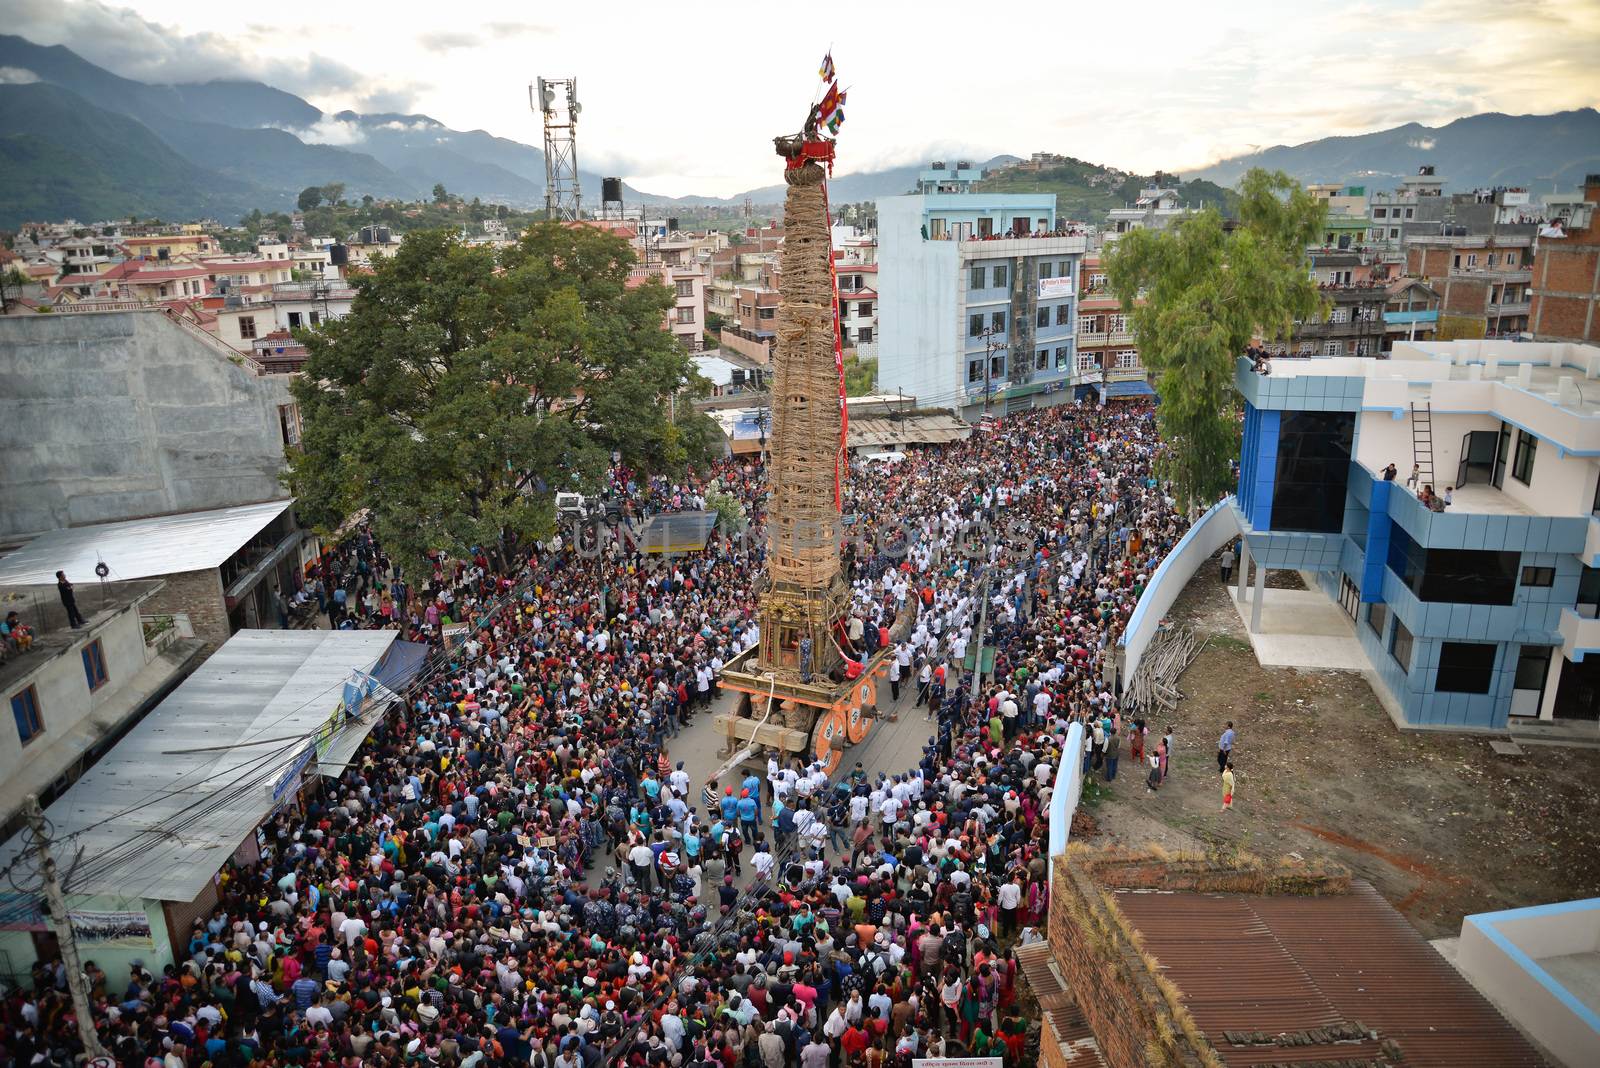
76,981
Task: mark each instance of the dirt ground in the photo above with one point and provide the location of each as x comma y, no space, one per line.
1440,824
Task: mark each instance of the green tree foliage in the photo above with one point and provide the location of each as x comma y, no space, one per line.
860,375
467,385
1208,289
309,197
439,193
333,193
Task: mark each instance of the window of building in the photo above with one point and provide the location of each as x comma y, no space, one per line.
1464,667
1090,324
289,424
1127,360
1380,213
864,335
247,327
936,229
1046,269
1410,212
864,309
1063,357
997,321
844,336
685,315
975,277
1538,576
999,276
685,288
1378,618
1472,259
316,318
1400,646
1339,315
975,325
1063,314
1333,348
1455,576
1313,468
1097,282
974,371
25,708
766,313
997,365
1041,360
294,320
1087,362
1491,260
1394,232
985,227
94,665
1044,317
1522,459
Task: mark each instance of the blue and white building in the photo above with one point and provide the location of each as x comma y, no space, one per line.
1480,616
977,296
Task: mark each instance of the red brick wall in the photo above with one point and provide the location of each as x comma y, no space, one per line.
1465,296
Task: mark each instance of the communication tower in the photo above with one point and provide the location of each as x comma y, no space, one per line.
556,99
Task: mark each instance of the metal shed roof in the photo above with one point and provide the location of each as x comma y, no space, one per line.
140,548
179,793
1265,976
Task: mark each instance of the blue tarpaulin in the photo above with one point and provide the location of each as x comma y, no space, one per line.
400,664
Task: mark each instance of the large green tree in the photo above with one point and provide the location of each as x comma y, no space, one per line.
1208,287
467,385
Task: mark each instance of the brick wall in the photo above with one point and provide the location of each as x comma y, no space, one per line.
1106,973
199,595
1464,296
1565,288
1566,282
1108,980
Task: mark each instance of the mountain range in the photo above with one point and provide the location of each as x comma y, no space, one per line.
1539,152
77,140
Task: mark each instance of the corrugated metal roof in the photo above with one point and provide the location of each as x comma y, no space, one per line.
932,429
140,548
1064,1021
194,749
1290,965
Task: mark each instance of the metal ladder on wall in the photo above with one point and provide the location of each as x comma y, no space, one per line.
1422,444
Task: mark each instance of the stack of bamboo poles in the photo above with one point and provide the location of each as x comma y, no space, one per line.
1155,685
802,516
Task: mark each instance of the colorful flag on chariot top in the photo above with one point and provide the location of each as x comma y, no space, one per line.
827,71
832,101
836,120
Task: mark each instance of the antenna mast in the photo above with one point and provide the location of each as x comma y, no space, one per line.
556,99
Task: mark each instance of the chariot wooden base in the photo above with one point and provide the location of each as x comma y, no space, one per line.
815,721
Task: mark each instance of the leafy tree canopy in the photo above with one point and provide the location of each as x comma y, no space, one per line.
467,385
1208,290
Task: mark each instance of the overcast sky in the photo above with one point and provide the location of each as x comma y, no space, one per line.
685,97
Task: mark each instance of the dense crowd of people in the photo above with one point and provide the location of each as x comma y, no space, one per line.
517,869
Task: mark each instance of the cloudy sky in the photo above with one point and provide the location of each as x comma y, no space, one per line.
684,98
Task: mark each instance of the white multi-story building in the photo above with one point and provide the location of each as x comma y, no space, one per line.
977,299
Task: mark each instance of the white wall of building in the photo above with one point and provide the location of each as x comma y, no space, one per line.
919,311
61,687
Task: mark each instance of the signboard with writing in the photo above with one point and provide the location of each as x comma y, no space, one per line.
1051,288
129,930
956,1062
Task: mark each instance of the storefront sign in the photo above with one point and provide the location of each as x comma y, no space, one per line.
1051,288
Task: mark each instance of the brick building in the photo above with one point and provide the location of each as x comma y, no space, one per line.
1482,278
1160,962
1566,274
